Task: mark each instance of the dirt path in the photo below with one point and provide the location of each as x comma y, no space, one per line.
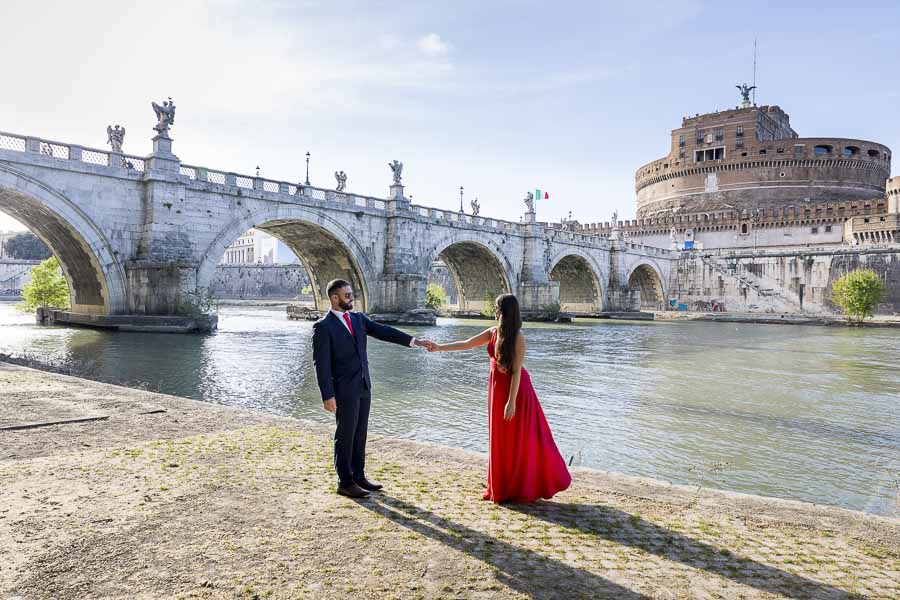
202,501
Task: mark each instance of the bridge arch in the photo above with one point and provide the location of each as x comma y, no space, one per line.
579,277
647,279
479,268
326,248
96,278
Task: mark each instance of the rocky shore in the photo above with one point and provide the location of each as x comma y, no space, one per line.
110,492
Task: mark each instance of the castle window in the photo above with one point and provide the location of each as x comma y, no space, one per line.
823,149
815,230
873,153
681,153
709,138
828,229
780,151
720,134
763,151
740,143
744,229
740,131
851,151
699,137
681,140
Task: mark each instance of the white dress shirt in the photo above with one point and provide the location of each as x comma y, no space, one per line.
340,315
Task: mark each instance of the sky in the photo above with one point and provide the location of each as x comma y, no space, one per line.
497,96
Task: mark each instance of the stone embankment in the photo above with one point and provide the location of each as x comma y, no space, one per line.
132,494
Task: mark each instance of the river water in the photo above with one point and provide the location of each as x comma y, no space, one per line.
809,413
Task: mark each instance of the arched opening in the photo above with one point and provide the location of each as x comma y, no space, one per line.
646,280
478,276
579,287
95,279
823,149
324,256
851,150
324,249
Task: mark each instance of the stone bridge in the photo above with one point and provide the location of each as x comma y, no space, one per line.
142,236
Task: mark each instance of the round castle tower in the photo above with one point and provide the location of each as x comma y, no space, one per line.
750,158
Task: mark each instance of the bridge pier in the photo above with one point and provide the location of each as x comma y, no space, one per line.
536,290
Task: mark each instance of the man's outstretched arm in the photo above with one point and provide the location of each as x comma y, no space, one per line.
386,333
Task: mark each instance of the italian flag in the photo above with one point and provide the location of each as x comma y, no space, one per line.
541,195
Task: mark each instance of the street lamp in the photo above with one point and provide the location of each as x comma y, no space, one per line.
307,168
460,199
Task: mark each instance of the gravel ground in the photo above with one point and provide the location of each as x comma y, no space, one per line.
163,497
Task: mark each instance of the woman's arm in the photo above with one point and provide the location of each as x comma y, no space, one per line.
509,410
481,339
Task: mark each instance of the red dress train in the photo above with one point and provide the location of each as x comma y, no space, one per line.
524,464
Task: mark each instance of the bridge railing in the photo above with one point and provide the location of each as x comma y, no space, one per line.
62,151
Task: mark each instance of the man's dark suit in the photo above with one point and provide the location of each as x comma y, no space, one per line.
342,370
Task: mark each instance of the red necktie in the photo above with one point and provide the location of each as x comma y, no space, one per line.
349,324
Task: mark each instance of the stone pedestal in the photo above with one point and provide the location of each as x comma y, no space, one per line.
531,217
162,162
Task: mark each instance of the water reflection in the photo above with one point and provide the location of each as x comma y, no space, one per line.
798,412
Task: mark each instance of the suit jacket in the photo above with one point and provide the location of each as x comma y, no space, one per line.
342,364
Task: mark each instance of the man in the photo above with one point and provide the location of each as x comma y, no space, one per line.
342,371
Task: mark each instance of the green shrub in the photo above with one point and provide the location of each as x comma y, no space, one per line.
487,311
435,297
552,311
858,293
47,288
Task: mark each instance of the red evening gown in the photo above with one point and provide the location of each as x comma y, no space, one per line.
524,464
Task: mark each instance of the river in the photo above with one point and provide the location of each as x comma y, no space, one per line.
808,413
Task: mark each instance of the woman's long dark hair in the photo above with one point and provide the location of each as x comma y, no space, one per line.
507,307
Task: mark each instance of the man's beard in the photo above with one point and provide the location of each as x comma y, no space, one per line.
345,306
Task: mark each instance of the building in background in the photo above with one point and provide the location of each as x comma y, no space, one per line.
258,247
743,178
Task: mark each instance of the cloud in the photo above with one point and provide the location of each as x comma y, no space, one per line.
432,45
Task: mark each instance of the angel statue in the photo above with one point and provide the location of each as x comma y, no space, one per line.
529,201
615,218
397,168
476,207
745,93
165,115
341,178
115,137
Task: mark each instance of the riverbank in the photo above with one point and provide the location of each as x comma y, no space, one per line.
153,496
885,321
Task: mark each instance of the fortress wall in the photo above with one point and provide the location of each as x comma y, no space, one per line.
259,282
774,281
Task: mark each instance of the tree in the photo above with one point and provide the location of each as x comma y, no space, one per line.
48,287
435,297
487,310
27,246
857,293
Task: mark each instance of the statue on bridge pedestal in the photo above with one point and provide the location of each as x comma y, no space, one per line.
397,169
615,219
165,115
341,178
115,137
476,207
529,201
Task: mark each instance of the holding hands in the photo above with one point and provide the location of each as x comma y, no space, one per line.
427,344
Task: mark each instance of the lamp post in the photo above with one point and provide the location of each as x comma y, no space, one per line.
460,199
307,168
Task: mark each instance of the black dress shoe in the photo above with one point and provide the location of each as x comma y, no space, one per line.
352,491
368,485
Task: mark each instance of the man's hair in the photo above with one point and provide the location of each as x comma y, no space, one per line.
334,285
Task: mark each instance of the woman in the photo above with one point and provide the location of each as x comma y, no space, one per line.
524,464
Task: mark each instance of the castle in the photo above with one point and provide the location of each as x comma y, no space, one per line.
743,178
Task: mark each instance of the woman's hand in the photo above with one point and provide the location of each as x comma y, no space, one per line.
509,411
